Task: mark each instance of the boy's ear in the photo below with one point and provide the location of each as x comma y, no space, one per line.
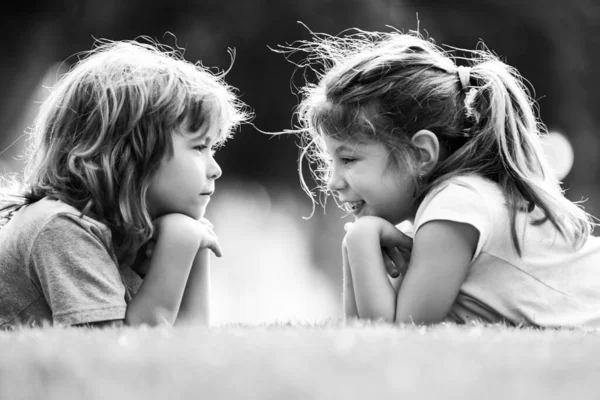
429,149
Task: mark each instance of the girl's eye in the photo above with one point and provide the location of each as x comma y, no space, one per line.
200,147
347,160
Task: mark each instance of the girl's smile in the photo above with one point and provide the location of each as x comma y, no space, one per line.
366,183
354,207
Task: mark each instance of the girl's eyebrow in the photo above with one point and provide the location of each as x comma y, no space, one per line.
345,147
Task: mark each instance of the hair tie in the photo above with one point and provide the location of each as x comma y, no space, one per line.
464,76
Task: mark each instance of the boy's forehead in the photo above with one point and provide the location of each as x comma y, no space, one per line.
208,130
211,124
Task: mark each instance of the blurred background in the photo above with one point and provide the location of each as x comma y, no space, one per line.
279,266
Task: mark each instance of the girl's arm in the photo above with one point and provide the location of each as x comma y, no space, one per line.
439,263
349,299
178,238
374,293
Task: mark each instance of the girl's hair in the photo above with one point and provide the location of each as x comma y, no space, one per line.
388,86
106,125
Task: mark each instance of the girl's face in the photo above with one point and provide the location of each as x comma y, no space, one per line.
365,182
184,182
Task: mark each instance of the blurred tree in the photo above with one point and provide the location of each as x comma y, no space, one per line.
551,43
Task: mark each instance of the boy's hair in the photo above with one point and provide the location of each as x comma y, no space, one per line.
388,86
104,129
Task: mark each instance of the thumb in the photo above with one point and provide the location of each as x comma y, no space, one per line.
216,248
392,237
348,226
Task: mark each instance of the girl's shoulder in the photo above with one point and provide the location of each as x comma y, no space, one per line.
482,189
470,199
466,199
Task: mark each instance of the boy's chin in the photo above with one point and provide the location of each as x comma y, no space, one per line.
199,214
196,214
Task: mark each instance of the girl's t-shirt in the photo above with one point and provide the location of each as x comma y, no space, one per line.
551,285
59,268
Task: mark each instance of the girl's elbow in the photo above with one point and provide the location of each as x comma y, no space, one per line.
378,316
412,319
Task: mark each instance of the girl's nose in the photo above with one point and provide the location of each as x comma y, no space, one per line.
335,181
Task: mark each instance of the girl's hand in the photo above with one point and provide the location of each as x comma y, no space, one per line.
395,245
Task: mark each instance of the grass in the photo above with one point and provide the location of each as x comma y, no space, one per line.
300,361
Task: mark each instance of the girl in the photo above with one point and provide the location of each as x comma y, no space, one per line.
401,133
122,153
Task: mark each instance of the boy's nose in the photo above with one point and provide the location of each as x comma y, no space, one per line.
214,171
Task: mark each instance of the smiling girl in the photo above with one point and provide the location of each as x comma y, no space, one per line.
120,173
401,133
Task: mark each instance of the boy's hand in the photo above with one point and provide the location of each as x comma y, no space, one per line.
395,245
185,228
201,229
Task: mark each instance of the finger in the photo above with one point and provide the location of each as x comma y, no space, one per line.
207,226
207,223
213,244
390,268
399,258
150,248
348,226
216,248
392,237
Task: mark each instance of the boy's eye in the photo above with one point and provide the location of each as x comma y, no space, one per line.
203,147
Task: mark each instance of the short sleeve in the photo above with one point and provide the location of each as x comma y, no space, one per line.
458,202
77,273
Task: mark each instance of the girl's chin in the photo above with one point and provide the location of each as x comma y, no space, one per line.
393,221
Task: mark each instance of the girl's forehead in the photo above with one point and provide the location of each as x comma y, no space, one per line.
346,143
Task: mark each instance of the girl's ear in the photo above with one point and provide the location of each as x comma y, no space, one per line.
429,149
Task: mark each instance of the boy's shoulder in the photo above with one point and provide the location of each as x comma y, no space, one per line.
57,216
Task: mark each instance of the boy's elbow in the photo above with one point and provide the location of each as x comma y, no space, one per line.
152,318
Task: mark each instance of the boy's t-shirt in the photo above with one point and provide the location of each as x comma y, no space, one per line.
59,268
551,285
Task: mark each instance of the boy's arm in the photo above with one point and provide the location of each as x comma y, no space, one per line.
159,297
195,305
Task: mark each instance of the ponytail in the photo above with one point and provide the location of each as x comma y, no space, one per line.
505,146
388,86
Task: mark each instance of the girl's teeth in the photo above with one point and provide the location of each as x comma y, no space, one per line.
355,205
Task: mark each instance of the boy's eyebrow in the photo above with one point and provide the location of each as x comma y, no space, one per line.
204,134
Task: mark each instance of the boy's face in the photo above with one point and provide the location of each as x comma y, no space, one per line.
365,182
184,182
